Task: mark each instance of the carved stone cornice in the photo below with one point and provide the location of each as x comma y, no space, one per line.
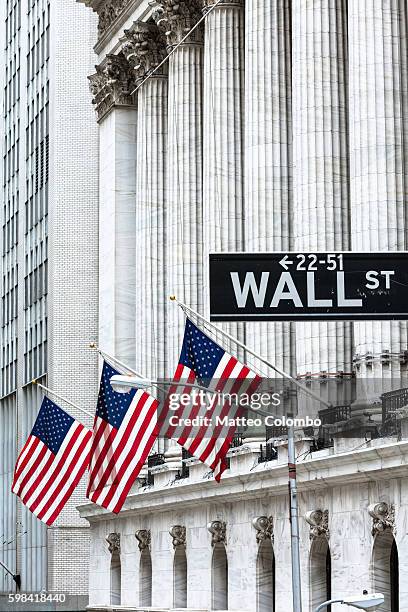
207,4
176,18
178,533
319,523
218,530
144,47
264,528
144,538
108,13
113,541
112,85
383,516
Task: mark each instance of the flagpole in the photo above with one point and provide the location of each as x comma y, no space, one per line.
253,353
124,366
293,501
63,399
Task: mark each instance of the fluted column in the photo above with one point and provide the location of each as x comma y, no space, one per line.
144,48
321,177
112,87
379,161
268,154
223,169
184,274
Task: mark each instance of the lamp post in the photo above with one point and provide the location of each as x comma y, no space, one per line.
362,602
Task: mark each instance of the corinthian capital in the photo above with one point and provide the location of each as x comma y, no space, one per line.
207,4
176,18
112,85
144,47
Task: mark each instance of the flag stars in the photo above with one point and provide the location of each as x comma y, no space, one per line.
52,425
112,406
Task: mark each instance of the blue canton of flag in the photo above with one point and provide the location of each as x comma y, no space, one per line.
52,425
112,406
200,354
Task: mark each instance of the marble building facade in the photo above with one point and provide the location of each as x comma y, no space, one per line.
273,125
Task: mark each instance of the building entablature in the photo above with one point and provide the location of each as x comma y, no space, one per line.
381,462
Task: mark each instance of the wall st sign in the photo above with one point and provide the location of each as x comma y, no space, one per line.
308,286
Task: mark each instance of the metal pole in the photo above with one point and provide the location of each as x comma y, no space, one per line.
16,577
294,524
63,399
249,350
327,603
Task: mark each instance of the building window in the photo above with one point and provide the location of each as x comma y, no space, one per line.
145,579
385,569
320,572
265,578
180,578
115,580
219,578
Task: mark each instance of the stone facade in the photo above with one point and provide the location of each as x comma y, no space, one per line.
272,126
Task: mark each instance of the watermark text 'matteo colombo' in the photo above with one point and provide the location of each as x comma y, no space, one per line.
208,401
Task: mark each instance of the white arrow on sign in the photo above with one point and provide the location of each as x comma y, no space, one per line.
285,262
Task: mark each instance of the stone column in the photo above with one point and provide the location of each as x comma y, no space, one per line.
184,224
379,165
144,48
223,206
268,155
321,178
111,87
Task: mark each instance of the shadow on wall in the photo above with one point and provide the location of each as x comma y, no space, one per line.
385,570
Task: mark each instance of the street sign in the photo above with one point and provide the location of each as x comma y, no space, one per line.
316,286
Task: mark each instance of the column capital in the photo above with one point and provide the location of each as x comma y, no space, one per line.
207,4
112,85
176,17
144,47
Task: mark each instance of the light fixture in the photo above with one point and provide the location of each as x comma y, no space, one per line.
366,601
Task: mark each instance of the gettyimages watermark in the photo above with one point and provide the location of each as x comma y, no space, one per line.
212,406
350,407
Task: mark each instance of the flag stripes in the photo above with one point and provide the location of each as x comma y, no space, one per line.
125,429
51,463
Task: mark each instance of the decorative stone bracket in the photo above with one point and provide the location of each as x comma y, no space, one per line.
218,530
383,516
264,528
143,536
319,523
113,540
178,533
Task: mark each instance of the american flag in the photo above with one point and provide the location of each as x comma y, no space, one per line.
203,362
52,462
125,429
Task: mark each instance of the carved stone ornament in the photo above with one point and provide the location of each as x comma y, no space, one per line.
383,516
112,85
218,530
319,523
264,528
144,47
176,18
178,533
207,4
143,536
113,540
109,13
